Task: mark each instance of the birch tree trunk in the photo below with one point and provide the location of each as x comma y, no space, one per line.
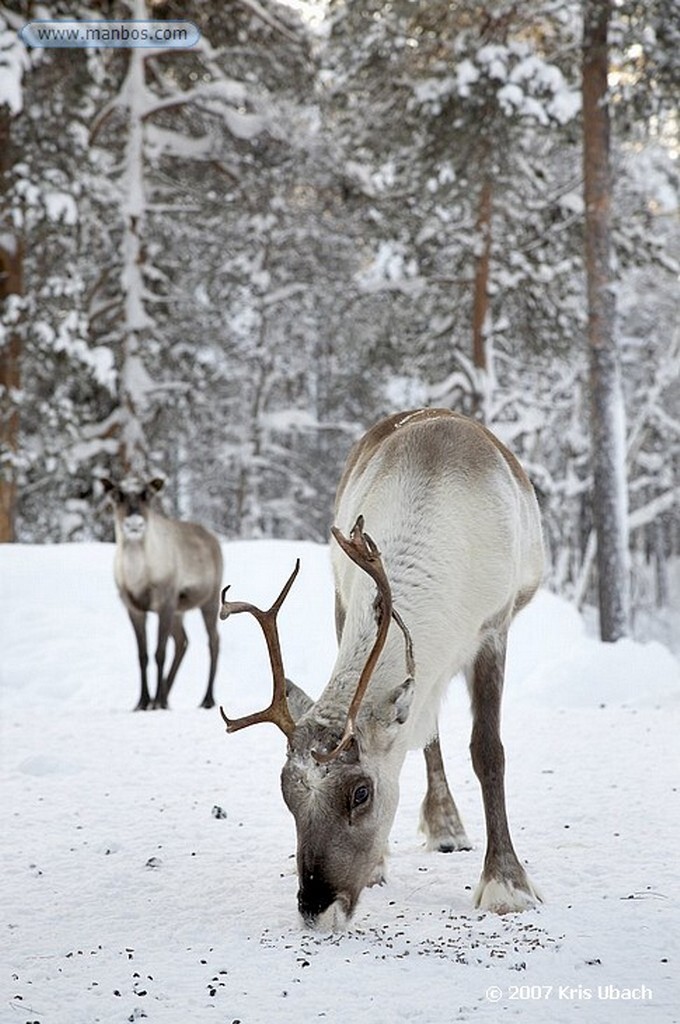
610,509
134,381
135,100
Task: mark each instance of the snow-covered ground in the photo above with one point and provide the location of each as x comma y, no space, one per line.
127,894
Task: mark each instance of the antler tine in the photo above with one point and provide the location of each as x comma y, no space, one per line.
408,640
363,550
278,711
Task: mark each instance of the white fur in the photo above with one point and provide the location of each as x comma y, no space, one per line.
332,919
478,548
148,559
131,569
502,897
444,838
144,559
458,528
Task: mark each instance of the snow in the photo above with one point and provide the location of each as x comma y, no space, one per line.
466,75
61,206
162,140
244,126
390,270
494,59
528,85
290,419
14,62
147,858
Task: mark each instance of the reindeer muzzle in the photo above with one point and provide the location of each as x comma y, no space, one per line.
322,909
134,527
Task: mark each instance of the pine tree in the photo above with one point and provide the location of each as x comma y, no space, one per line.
13,61
610,504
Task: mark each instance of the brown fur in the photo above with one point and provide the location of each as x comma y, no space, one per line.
473,439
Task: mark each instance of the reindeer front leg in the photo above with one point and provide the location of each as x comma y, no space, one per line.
165,622
209,613
504,886
439,818
138,620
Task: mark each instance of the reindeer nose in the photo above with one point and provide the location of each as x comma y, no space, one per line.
314,896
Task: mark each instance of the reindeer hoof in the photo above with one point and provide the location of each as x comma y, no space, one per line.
503,896
453,847
448,843
207,702
444,832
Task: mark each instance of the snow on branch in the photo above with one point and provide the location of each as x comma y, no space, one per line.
468,378
651,409
14,61
244,126
225,97
526,85
227,90
269,19
164,141
653,509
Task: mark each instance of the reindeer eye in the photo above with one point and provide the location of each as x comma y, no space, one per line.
361,794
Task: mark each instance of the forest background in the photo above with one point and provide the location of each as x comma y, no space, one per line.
223,263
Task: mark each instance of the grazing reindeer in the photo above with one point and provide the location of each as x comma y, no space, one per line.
167,567
460,552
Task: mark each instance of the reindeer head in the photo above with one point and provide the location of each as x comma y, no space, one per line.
131,500
340,779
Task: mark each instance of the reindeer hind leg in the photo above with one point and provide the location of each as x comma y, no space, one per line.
181,641
166,619
209,613
439,817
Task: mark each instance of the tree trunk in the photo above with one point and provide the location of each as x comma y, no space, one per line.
480,305
133,377
480,299
660,556
11,284
610,511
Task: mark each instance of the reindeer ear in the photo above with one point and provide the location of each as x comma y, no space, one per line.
298,701
394,710
157,484
111,490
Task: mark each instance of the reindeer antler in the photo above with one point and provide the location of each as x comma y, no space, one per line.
363,550
278,711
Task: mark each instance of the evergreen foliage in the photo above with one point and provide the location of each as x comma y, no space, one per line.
237,257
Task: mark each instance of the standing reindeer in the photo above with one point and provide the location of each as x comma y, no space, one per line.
459,532
167,567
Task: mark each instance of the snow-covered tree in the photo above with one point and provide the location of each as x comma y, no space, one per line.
610,494
238,256
13,64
